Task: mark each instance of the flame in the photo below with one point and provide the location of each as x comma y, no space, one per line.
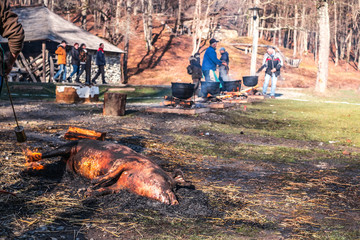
34,165
31,156
32,159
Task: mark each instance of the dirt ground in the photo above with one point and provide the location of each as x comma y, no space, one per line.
233,198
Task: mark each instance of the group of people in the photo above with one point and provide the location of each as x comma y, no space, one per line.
272,64
79,61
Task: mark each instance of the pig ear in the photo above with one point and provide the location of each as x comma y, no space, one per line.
178,176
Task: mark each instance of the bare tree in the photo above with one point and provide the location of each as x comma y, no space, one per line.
324,46
147,6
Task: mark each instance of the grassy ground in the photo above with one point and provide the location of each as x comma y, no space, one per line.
46,91
282,169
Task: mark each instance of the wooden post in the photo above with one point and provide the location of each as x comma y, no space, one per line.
51,65
114,104
44,62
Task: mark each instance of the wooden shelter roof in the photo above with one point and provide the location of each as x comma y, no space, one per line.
40,23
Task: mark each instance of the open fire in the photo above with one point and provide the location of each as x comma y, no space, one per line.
174,102
32,160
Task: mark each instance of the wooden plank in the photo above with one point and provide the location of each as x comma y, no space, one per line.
27,67
75,133
236,101
43,62
26,87
256,98
220,105
125,89
177,110
35,59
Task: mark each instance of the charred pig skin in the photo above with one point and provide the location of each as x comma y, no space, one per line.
112,167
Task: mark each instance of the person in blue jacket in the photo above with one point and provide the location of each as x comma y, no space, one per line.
100,62
210,61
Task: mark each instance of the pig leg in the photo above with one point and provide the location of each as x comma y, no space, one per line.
105,190
63,150
110,177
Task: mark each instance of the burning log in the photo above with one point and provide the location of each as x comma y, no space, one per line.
32,159
75,133
173,101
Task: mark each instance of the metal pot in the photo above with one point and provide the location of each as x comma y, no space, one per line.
232,86
250,81
212,88
182,90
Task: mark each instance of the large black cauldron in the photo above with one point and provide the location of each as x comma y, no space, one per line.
232,86
250,81
212,88
182,90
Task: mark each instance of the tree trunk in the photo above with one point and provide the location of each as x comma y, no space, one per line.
348,49
127,40
84,8
178,22
147,22
335,35
304,34
118,16
295,30
324,47
255,42
196,27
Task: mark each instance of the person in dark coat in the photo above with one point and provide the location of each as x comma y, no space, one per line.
224,69
82,59
13,31
75,61
100,62
196,72
272,64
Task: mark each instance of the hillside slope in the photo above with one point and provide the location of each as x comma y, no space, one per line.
167,62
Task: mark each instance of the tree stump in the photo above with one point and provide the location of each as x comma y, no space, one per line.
114,104
66,94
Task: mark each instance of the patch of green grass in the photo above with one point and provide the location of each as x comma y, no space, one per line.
248,231
229,150
307,121
337,235
46,91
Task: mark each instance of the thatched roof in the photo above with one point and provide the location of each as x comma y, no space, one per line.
40,23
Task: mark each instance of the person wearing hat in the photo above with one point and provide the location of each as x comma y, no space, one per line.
210,61
194,69
224,69
61,54
272,63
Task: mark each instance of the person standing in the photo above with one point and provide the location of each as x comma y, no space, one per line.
100,62
210,61
272,63
61,53
195,70
13,31
75,61
224,69
82,59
